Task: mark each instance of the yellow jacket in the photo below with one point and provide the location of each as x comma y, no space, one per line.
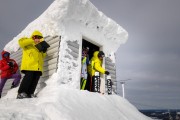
32,59
95,65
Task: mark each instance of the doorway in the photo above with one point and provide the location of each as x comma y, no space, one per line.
92,47
84,84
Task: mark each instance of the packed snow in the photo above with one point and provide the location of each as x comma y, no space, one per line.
62,103
61,99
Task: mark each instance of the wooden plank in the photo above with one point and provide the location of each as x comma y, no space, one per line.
50,38
53,50
73,43
55,40
50,67
51,56
17,58
48,73
17,53
49,62
110,67
74,49
109,63
75,55
53,45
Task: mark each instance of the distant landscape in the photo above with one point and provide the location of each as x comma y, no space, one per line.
162,114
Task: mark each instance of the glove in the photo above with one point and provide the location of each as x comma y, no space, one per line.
106,72
10,64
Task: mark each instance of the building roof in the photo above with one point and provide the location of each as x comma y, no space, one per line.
83,13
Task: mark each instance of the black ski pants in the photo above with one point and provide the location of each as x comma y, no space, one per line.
88,83
29,82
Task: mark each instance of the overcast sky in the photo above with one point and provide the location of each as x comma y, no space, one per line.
151,56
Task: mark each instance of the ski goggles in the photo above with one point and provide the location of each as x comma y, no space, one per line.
37,37
84,53
102,55
6,55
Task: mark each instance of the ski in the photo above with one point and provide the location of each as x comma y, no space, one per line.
83,83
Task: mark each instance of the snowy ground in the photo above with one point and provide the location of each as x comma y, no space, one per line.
62,103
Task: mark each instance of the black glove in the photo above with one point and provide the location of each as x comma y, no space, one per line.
106,72
10,64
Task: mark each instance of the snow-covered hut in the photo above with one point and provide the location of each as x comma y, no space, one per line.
68,26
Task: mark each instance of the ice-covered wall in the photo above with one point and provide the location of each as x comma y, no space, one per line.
74,20
83,20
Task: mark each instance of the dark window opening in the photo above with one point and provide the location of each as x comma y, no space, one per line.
84,83
92,47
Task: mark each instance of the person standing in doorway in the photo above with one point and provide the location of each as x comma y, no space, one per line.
84,64
8,68
31,65
95,66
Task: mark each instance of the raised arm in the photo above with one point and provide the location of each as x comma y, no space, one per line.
23,42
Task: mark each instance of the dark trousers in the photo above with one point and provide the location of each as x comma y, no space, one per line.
29,82
88,83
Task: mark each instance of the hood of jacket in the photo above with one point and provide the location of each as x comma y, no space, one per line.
2,54
36,32
95,55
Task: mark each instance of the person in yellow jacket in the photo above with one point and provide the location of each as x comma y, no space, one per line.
31,64
95,66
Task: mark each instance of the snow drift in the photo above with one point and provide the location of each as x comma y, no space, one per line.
61,103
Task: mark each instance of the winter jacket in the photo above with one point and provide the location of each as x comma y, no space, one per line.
32,59
6,70
95,65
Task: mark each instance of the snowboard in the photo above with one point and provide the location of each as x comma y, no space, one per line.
96,83
109,85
